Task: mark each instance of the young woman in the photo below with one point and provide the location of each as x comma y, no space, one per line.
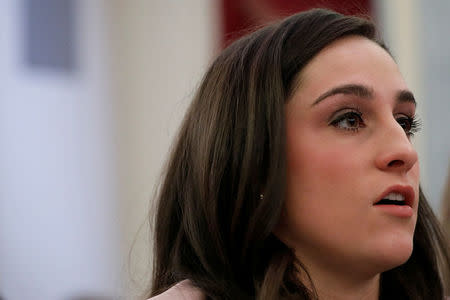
293,175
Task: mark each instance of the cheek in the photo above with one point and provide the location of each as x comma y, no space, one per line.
321,188
323,165
414,174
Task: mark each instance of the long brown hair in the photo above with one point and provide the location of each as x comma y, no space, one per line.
212,226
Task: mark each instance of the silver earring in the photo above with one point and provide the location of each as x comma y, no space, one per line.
261,196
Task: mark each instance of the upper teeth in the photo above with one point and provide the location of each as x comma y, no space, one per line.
395,197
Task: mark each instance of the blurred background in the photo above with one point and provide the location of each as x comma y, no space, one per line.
92,93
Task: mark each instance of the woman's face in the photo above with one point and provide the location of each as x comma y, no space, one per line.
349,146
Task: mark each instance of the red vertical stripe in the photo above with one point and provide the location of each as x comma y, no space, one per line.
238,15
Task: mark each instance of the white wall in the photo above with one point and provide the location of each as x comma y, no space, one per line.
160,51
57,175
435,50
80,153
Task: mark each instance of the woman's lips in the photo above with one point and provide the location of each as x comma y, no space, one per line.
403,211
405,208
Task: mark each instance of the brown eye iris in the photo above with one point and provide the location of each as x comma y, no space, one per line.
349,121
352,122
405,123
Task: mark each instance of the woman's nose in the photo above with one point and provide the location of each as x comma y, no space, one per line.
396,153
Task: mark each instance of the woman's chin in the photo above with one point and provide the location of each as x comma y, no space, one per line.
393,254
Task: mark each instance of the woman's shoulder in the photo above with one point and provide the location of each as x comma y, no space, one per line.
183,290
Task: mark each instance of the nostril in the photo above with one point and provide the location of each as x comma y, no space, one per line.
396,163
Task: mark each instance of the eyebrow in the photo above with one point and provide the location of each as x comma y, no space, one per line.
362,91
406,96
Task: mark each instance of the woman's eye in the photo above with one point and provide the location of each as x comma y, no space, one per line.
410,125
405,123
349,121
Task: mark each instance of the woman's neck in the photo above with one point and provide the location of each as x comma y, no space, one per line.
331,285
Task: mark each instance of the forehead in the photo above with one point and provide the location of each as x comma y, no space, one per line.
351,60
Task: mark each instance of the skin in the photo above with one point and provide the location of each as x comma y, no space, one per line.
337,171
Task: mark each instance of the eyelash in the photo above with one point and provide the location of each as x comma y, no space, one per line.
412,127
349,115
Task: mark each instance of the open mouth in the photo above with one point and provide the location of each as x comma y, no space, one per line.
397,195
397,200
392,199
